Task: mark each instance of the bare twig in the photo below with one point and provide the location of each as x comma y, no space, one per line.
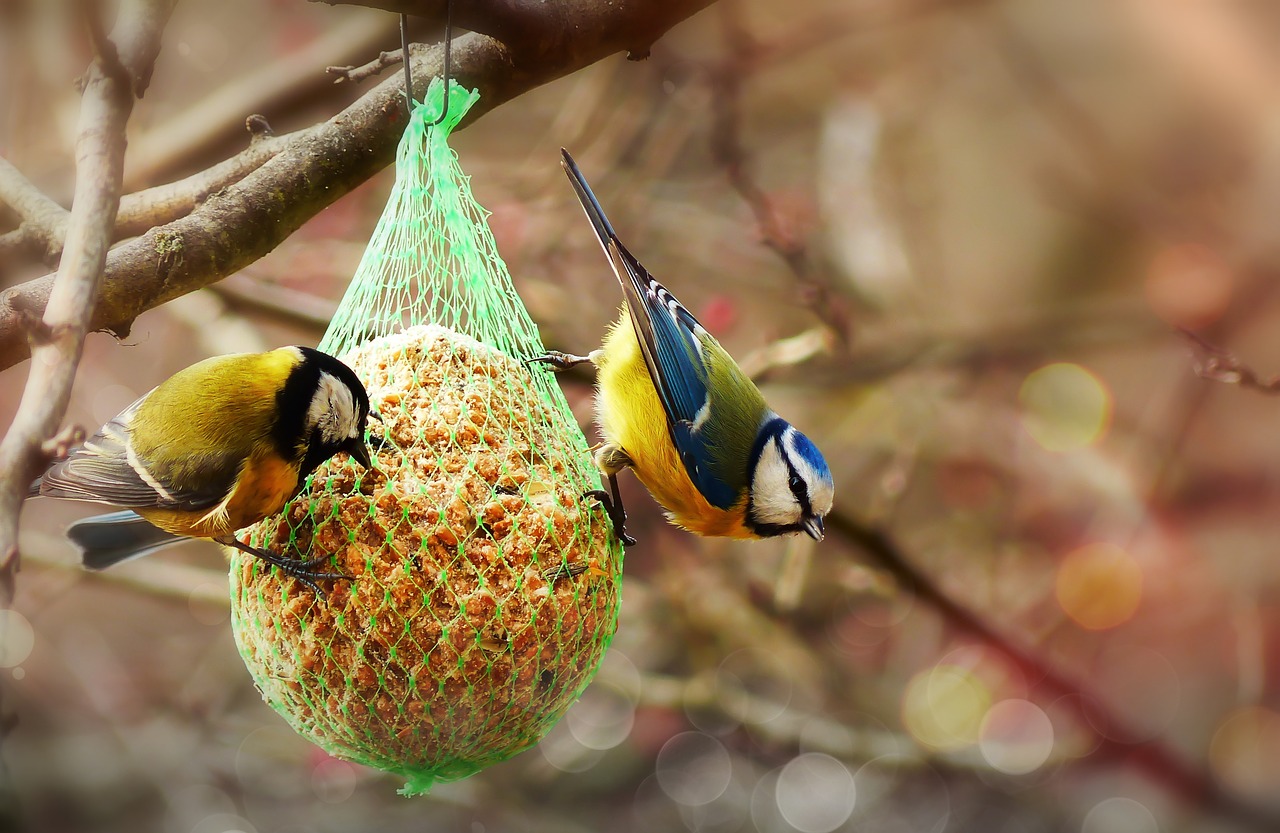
121,68
45,231
531,31
214,118
43,220
1218,365
726,144
240,223
1116,740
243,290
377,66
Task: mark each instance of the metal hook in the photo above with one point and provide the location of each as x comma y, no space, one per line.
448,48
408,73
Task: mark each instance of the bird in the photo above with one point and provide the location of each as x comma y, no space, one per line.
216,447
676,409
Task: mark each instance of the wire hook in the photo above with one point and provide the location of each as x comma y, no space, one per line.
448,68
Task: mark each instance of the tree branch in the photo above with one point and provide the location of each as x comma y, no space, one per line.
1116,740
536,31
120,71
314,167
43,220
45,228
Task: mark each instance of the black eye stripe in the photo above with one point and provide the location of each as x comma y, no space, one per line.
795,482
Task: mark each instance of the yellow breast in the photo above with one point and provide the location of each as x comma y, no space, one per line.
631,415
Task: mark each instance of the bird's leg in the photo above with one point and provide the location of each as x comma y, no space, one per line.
563,361
307,572
611,459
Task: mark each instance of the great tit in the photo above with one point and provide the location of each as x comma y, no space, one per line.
214,448
675,407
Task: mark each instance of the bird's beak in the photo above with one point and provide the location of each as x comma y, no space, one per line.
813,526
359,451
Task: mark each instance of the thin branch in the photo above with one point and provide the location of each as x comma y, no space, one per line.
43,220
727,148
533,30
242,222
214,118
144,210
121,68
1218,365
243,290
1116,740
377,66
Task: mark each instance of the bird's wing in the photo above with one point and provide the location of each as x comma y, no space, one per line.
105,470
671,341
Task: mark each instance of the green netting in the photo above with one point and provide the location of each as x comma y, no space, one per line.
485,589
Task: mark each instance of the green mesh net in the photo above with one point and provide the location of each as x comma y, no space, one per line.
484,588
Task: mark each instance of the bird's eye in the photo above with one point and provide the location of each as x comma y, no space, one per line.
795,482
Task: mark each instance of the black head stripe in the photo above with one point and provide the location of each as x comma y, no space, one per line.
294,399
797,483
771,431
292,402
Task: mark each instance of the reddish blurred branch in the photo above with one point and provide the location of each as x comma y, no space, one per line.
120,71
314,167
726,145
1116,740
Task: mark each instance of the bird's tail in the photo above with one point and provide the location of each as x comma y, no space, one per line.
106,540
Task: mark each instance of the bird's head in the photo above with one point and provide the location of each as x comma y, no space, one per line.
336,409
791,486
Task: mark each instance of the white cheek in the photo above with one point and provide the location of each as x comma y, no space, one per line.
332,410
771,497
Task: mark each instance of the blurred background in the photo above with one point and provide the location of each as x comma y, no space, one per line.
953,241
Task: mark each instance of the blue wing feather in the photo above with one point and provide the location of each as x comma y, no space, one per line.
671,342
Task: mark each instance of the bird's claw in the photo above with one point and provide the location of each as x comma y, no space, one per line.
557,360
617,515
308,572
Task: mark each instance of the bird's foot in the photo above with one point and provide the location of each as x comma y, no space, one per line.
558,361
617,515
308,572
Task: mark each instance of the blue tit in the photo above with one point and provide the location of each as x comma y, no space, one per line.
214,448
676,409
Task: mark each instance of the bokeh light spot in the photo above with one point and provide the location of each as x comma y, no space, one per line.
602,719
1119,815
565,752
333,781
943,707
1188,285
1245,751
17,638
1099,586
223,823
1016,737
748,690
1064,407
815,793
693,768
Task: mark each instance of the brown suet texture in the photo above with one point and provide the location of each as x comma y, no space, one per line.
482,596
